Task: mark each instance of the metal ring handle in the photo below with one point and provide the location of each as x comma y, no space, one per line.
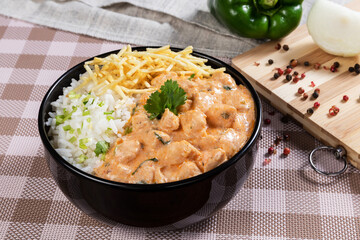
339,152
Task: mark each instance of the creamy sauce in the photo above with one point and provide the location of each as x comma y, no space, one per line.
213,125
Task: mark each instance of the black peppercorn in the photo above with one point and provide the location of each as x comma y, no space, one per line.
315,94
276,75
310,111
288,77
351,69
286,47
336,64
306,63
296,73
357,71
270,61
356,66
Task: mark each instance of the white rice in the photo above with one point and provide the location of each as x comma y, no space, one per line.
96,126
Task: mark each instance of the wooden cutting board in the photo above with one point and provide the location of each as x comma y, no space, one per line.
342,129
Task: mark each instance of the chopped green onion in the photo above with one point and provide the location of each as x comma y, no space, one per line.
88,120
73,95
101,147
82,143
108,113
82,158
59,119
72,140
86,99
103,157
71,131
192,76
109,132
67,128
101,104
109,118
85,113
78,130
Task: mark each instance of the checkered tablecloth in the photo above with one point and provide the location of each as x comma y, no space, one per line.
285,199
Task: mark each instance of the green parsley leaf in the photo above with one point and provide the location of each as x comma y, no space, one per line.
151,159
161,139
171,96
101,147
227,87
127,130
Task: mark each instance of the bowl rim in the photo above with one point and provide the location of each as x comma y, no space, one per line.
159,186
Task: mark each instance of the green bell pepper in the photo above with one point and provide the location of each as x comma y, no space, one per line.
258,19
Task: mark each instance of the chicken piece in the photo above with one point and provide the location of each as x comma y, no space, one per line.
177,152
156,139
204,100
193,123
186,170
240,123
225,79
189,87
144,97
231,141
161,79
169,121
211,159
186,107
159,176
236,99
143,173
127,150
221,115
140,120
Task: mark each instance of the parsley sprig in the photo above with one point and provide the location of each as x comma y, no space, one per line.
171,96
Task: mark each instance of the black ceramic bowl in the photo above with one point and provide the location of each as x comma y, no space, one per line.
164,206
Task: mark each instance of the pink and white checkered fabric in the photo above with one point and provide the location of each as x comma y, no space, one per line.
282,200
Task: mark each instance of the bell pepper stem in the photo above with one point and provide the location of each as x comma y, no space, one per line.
267,4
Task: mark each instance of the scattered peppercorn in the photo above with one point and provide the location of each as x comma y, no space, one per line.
312,84
356,66
286,47
296,73
306,63
317,66
345,98
351,69
276,75
305,96
266,161
267,121
286,137
316,105
278,46
310,111
334,110
280,71
301,90
303,75
336,64
288,77
317,90
293,63
270,61
256,64
270,150
296,79
286,151
288,70
278,140
333,69
315,94
357,71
